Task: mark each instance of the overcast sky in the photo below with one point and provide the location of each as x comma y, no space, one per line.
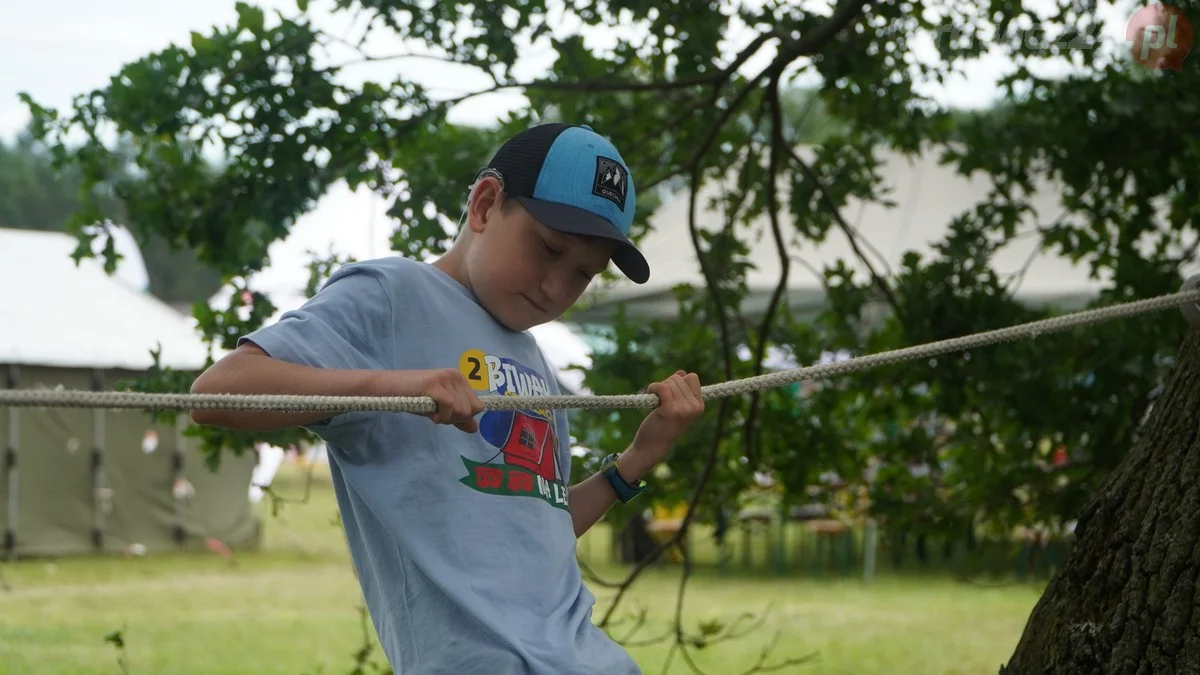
56,49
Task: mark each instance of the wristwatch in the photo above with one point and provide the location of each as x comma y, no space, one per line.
625,491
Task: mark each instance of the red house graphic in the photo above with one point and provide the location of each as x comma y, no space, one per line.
527,441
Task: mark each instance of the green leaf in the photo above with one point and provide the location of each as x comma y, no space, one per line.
250,17
202,45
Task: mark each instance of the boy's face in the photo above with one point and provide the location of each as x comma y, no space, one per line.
525,273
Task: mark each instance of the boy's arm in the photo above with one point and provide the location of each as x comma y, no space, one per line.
328,346
250,370
680,404
339,343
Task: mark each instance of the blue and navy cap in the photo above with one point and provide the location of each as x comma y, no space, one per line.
573,180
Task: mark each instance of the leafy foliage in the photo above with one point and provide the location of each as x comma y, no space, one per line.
35,196
690,103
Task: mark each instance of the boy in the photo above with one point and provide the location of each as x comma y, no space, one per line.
464,538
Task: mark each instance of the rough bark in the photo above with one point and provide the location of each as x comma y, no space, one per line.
1125,599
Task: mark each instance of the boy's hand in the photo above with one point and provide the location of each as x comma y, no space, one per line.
680,404
457,402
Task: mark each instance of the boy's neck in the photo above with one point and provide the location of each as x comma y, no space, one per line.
453,265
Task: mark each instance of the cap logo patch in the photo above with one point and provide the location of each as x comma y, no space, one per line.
612,181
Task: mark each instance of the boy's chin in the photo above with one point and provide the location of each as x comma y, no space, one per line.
526,325
519,321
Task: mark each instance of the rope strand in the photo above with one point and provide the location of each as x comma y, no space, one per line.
339,404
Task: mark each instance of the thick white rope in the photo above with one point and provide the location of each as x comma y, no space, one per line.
1189,298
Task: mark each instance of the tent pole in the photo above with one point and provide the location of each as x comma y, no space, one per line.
180,532
10,468
100,492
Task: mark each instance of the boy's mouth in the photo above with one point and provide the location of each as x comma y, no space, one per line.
534,304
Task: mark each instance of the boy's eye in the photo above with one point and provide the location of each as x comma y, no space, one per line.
552,250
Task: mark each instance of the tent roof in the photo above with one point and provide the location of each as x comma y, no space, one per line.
565,350
927,197
57,314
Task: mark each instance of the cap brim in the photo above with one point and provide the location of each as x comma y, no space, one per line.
572,220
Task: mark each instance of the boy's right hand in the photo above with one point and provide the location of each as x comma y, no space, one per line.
457,402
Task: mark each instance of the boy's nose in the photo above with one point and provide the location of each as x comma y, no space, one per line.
553,288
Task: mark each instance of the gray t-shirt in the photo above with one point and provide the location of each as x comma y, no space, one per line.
462,542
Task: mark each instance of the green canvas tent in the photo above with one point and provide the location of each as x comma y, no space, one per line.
81,481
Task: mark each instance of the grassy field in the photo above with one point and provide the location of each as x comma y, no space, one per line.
294,609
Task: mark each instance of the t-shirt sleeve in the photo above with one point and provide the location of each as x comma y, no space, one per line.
349,324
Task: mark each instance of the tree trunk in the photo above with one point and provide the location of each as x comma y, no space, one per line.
636,542
1125,599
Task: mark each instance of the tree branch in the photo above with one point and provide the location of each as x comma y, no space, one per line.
880,284
843,15
722,409
729,71
385,58
718,78
820,277
683,641
711,284
776,147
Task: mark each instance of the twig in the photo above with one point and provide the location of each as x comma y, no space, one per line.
761,666
670,656
680,637
667,634
843,15
735,208
639,620
591,575
732,634
117,639
362,656
278,501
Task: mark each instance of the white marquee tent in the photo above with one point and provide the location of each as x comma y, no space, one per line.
79,481
928,196
57,314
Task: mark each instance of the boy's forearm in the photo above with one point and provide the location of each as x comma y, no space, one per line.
249,370
591,498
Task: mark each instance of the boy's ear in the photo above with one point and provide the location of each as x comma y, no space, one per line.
486,198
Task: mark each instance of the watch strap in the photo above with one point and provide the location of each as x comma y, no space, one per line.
625,491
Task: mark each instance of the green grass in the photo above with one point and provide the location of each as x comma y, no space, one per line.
294,609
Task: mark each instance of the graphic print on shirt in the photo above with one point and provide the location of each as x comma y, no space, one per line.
526,463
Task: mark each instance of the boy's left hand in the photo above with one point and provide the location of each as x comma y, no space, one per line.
680,405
